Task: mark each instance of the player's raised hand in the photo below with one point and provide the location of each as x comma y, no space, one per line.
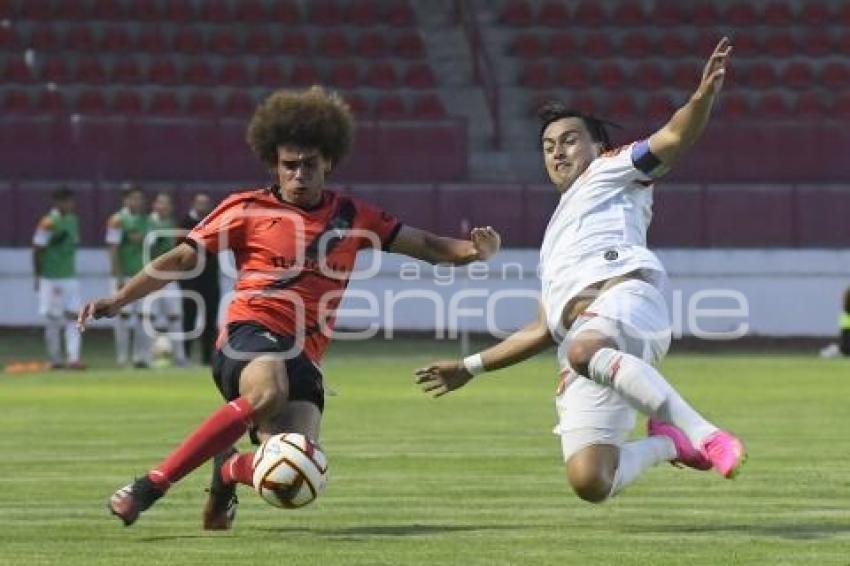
715,68
101,308
439,378
486,242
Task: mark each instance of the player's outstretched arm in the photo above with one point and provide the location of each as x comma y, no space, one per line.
154,276
483,244
441,377
687,124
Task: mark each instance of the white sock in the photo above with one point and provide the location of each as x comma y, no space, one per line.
647,391
175,328
52,331
141,342
638,456
122,340
72,341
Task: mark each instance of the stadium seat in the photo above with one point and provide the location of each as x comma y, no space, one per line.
649,75
363,13
841,108
400,14
51,102
636,45
180,11
842,43
428,107
225,42
304,74
286,12
198,72
162,71
44,38
390,107
202,103
345,75
610,74
106,10
91,102
9,38
116,38
80,38
126,103
835,75
164,103
218,11
325,13
685,75
17,72
772,105
55,70
780,44
16,101
235,72
334,43
572,74
515,13
188,40
252,11
733,104
358,104
372,44
798,75
589,13
39,10
586,102
153,40
535,75
409,45
619,105
628,15
8,10
419,75
741,14
90,71
815,43
127,71
260,42
145,10
553,13
667,14
814,14
269,74
810,104
562,45
382,75
746,44
659,106
759,75
597,45
705,14
527,46
239,104
842,16
295,43
673,44
778,13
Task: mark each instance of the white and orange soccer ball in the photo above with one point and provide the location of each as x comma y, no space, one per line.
290,471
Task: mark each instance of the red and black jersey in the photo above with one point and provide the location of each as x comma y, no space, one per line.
293,264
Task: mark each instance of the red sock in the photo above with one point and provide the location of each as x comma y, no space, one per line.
239,468
220,430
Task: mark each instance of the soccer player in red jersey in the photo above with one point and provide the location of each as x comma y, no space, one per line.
295,245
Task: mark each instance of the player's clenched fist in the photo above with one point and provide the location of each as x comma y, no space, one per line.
441,377
486,242
101,308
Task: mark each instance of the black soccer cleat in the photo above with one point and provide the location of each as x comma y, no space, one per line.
131,500
220,509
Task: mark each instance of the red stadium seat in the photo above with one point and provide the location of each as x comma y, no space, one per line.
619,105
815,43
17,71
636,45
16,101
842,43
562,45
553,14
359,106
325,13
686,75
815,14
108,10
610,74
225,42
759,75
334,43
363,13
91,102
345,75
810,104
390,107
250,11
51,102
649,75
382,75
218,11
585,102
260,42
842,17
835,75
674,44
428,107
202,103
295,43
590,13
188,40
164,103
798,75
705,14
772,105
304,74
269,74
286,12
841,108
9,38
180,11
572,74
741,14
659,106
90,71
198,72
44,38
515,13
127,71
597,45
39,10
535,75
667,14
239,104
80,38
7,10
733,104
163,72
235,72
527,46
400,14
780,44
127,103
745,44
778,13
628,14
55,70
152,39
116,38
372,44
419,75
145,10
410,46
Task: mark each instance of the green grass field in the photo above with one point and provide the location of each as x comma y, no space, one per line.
473,478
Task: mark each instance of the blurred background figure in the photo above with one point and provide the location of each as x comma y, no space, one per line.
125,236
206,284
166,311
843,347
54,266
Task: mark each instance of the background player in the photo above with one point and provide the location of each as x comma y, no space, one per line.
602,304
295,245
54,255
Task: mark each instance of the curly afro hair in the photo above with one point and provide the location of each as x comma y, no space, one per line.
312,118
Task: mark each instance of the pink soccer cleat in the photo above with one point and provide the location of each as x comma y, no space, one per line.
725,452
686,453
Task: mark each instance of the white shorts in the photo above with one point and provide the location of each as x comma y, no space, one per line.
58,296
167,302
635,315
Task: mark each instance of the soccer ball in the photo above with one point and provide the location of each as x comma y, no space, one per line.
289,470
162,352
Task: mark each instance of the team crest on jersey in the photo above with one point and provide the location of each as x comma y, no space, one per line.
611,255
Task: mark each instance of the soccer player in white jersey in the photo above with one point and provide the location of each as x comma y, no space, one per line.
602,306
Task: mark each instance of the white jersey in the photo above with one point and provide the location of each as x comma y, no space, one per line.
598,229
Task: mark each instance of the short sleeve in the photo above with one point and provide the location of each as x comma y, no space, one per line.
384,225
222,229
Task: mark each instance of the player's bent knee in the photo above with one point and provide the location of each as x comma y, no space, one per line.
589,485
582,350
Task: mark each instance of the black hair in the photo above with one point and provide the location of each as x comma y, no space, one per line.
554,110
63,193
129,189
